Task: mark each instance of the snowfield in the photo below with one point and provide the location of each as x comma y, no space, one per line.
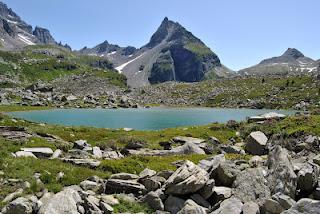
25,39
121,67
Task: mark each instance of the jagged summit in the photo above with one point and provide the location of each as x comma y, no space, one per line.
16,34
44,35
292,52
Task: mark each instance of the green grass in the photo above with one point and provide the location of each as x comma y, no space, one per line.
131,207
136,164
32,65
198,48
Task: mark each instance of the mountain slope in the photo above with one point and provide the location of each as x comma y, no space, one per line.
172,54
291,62
16,34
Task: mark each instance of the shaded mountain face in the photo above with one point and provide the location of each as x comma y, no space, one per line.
291,62
15,33
172,54
44,36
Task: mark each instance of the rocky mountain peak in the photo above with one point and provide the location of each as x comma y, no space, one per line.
44,36
292,52
162,32
5,11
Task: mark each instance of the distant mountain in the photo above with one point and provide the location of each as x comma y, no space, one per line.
172,54
16,34
291,62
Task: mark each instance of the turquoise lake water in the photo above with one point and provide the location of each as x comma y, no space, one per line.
140,119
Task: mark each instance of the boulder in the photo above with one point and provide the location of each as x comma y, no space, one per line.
63,202
225,173
124,186
192,208
91,185
97,153
200,200
173,204
304,206
256,143
251,185
154,200
212,163
91,204
256,161
147,173
186,149
208,189
189,178
284,200
24,154
152,183
271,206
81,144
308,178
250,208
229,206
39,152
281,177
18,206
92,163
105,208
183,140
124,176
109,199
56,154
220,194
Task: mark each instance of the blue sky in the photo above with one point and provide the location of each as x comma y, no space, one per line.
241,32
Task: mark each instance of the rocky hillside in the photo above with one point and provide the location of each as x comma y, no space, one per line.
173,54
292,62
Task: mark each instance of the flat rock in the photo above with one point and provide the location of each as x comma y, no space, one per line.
183,140
304,206
124,176
24,154
39,152
124,186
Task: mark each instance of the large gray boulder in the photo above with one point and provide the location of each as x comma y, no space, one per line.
256,143
18,206
229,206
186,149
63,202
250,208
189,178
124,186
251,185
304,206
191,207
39,152
225,173
212,163
308,177
154,200
173,204
281,177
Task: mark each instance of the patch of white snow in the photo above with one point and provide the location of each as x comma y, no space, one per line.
25,39
121,67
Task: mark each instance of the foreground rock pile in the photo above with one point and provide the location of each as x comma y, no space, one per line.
280,182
